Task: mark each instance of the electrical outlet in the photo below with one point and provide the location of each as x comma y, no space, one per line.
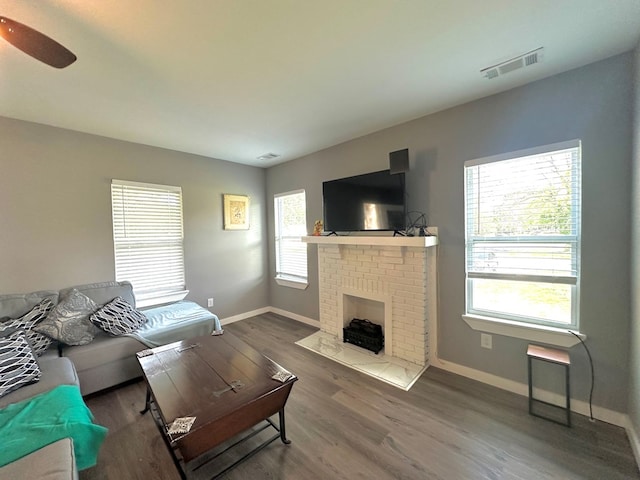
486,341
209,302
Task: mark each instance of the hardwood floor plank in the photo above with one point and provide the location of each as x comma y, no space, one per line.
346,425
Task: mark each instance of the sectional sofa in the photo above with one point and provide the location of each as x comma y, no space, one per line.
102,361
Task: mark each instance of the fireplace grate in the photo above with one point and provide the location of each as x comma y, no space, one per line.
365,334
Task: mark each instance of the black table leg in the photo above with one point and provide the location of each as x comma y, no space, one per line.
283,433
147,402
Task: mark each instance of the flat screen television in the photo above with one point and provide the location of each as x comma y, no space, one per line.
369,202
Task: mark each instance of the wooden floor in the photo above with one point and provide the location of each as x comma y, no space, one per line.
345,425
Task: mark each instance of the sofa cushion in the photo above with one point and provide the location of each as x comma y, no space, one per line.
18,364
54,370
103,350
68,322
118,317
27,322
16,305
104,292
46,418
56,461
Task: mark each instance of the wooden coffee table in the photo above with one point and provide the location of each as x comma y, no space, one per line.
222,382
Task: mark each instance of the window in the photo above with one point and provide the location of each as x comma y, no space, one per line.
148,240
523,235
290,225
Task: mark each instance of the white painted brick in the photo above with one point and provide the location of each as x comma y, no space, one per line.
402,294
398,272
390,260
393,274
413,301
407,348
374,267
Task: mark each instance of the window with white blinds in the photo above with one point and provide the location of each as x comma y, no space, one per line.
290,226
148,238
522,214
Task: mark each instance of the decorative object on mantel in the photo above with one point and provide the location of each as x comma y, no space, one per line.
317,228
236,212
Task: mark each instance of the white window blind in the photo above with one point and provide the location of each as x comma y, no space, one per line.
290,225
148,237
523,235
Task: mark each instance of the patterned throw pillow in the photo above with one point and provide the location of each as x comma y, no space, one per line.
18,364
68,322
118,317
27,322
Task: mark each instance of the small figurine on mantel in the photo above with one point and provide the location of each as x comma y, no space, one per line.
317,228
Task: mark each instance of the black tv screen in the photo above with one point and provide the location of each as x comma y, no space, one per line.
373,201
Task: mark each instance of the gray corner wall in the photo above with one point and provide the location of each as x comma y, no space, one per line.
593,104
55,214
634,359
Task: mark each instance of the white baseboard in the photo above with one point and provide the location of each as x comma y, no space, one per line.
244,316
578,406
279,311
634,439
295,316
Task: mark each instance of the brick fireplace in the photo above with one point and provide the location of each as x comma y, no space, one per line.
388,280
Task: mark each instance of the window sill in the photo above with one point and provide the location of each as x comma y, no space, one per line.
292,283
162,299
535,333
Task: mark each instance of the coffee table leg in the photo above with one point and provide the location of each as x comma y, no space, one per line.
283,433
147,402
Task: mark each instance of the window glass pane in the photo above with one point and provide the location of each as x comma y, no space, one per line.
544,301
522,214
293,215
148,237
524,196
290,226
524,258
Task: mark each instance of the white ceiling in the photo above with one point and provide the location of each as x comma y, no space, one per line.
235,79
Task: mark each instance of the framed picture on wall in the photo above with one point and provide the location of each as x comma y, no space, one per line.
236,212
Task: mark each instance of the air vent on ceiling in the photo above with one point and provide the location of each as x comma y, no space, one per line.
525,60
267,156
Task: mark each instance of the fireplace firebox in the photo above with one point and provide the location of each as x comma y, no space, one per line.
364,334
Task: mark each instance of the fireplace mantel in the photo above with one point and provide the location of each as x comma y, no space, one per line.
430,241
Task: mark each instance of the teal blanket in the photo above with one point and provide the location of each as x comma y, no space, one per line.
41,420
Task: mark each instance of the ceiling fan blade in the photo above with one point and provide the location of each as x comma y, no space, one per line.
36,44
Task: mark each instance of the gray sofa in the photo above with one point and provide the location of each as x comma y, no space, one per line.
57,460
105,362
108,361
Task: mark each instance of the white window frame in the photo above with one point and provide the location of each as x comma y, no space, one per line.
293,279
521,326
132,205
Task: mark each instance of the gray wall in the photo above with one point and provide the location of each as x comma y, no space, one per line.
55,214
634,361
56,218
592,104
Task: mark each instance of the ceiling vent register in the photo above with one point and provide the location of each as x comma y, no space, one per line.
267,156
525,60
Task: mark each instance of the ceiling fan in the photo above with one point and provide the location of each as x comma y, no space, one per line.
36,44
